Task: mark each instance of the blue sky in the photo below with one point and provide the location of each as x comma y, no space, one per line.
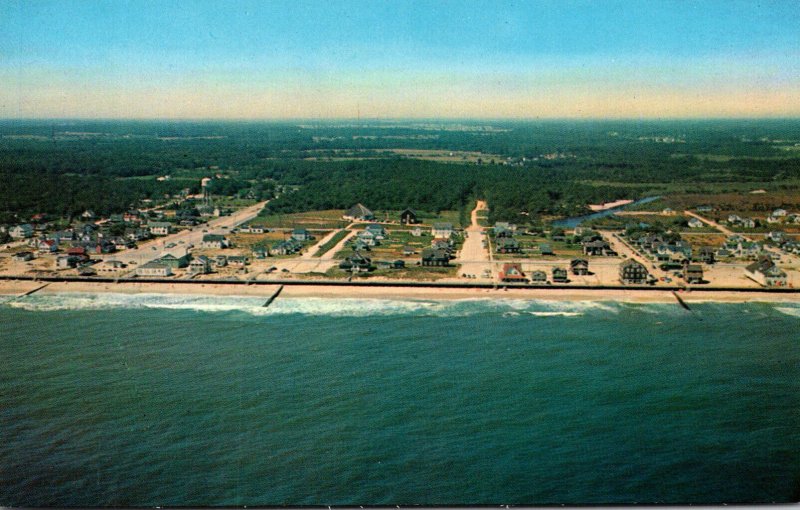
316,59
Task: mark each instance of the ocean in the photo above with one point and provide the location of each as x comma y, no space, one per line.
158,400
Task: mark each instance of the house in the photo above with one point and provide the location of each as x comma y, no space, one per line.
766,273
444,230
417,232
23,256
579,267
356,263
734,219
79,252
779,213
435,257
221,261
776,236
507,245
47,246
595,248
538,277
214,241
560,275
695,223
773,219
693,273
545,249
668,212
391,264
259,252
704,208
512,273
442,244
238,260
87,215
288,247
632,271
358,213
23,231
67,262
706,255
748,223
173,261
408,217
154,269
408,250
367,238
301,234
200,265
160,228
503,229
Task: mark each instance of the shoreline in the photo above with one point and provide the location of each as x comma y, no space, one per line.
19,287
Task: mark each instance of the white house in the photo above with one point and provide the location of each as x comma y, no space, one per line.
765,272
442,230
153,269
23,231
160,228
695,223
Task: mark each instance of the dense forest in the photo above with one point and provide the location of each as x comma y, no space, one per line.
553,168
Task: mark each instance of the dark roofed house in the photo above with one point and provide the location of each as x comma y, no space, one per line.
512,273
596,248
545,249
693,273
538,277
356,263
301,234
560,275
408,217
507,245
706,255
200,265
435,257
579,267
358,213
214,241
632,272
765,272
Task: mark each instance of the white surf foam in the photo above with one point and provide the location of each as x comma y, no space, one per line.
793,312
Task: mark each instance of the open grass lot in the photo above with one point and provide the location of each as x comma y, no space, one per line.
392,247
247,242
415,273
529,246
701,240
328,219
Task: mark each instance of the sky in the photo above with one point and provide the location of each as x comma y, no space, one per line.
273,59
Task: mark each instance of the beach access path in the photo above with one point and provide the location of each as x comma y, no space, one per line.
308,263
474,257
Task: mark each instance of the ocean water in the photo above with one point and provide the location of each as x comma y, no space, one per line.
172,400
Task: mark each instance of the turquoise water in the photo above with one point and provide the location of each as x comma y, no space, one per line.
167,400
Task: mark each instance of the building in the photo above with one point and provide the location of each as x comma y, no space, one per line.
693,273
597,248
67,262
377,230
358,213
695,223
160,228
560,275
214,242
391,264
538,277
356,263
512,273
47,246
706,255
23,231
579,267
444,230
766,273
154,269
200,265
301,234
507,245
238,260
545,249
779,213
408,217
173,261
435,257
633,272
23,256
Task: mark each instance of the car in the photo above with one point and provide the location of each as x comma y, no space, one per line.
284,270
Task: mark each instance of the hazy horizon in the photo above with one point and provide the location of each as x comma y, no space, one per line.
389,60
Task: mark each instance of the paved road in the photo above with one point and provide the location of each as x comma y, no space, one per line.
146,252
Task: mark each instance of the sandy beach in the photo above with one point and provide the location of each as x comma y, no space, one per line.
360,292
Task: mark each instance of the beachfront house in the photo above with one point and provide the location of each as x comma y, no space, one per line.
391,264
633,272
443,230
766,273
174,261
160,228
579,267
408,217
358,213
539,277
693,273
435,257
512,273
214,242
200,265
154,269
356,263
560,275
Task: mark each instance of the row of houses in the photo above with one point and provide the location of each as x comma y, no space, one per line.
512,273
360,213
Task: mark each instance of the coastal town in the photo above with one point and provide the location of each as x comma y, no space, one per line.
188,240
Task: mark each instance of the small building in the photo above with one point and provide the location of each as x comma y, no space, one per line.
545,249
597,248
748,223
444,230
633,272
200,265
173,261
512,273
766,273
377,230
668,212
538,277
693,273
214,242
356,263
417,232
706,255
560,275
358,213
160,228
22,256
579,267
23,231
507,245
391,264
221,261
111,266
47,246
776,236
238,260
435,257
695,223
67,262
301,234
779,213
154,269
408,217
